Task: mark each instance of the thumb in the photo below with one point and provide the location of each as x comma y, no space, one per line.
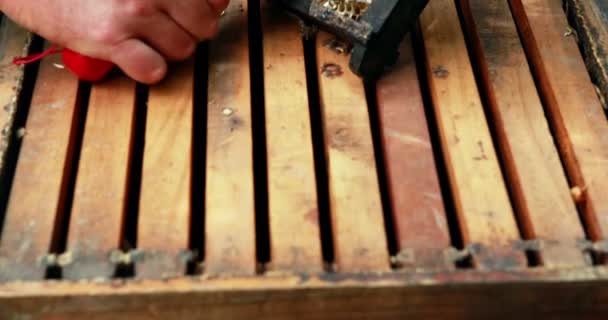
139,61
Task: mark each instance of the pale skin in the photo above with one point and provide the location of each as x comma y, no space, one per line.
140,36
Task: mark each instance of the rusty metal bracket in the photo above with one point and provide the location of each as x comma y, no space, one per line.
56,260
137,255
597,246
126,258
535,245
187,256
459,255
405,256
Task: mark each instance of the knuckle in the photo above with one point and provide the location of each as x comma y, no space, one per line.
105,33
138,8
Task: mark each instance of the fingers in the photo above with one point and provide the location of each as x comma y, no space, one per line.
218,5
198,17
145,34
139,61
167,37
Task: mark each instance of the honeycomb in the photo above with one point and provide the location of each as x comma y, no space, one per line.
353,9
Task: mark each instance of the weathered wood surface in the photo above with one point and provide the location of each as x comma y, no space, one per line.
38,202
481,199
495,133
165,205
493,295
534,173
96,226
293,206
574,110
230,243
415,196
360,242
14,42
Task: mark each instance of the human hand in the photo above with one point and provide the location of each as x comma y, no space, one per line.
139,36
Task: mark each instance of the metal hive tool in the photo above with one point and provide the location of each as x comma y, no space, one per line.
374,28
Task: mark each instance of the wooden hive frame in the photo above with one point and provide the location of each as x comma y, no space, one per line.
499,209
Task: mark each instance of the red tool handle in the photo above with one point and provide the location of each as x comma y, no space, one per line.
84,67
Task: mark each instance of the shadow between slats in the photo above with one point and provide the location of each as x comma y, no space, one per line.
389,222
130,219
316,119
199,147
456,236
258,121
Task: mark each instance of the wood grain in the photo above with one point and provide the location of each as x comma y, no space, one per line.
13,43
415,295
98,212
165,204
294,216
229,207
416,200
37,198
355,204
573,107
537,181
481,199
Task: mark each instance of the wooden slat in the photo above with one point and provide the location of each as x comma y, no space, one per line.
294,216
480,195
416,200
537,181
573,107
165,206
360,242
99,205
38,191
13,43
230,246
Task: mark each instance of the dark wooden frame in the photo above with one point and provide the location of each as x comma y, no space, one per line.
456,294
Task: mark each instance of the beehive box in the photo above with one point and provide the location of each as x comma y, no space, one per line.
262,179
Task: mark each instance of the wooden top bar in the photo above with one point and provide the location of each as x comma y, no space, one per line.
575,111
293,205
100,195
356,209
535,175
229,204
417,203
37,206
165,204
482,201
